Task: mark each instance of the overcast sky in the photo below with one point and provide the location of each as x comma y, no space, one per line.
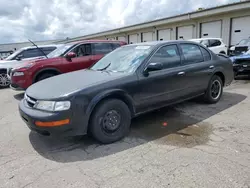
58,19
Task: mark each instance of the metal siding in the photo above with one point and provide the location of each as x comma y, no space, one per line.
211,29
240,29
122,39
185,32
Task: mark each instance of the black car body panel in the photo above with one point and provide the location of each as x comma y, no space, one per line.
141,92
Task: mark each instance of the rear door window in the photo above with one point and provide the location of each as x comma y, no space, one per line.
192,53
47,50
214,43
102,48
115,45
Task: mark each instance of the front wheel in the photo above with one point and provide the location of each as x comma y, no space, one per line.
4,80
214,90
110,121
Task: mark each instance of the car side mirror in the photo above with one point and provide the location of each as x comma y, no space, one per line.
153,67
19,57
70,55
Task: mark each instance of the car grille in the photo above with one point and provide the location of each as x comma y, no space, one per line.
240,49
30,101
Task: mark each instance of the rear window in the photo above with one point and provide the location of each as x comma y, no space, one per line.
214,43
115,45
47,50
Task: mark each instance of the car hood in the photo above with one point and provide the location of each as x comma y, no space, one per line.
12,64
66,84
241,57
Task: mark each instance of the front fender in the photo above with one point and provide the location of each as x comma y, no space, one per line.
114,93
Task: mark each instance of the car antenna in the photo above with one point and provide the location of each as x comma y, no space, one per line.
38,48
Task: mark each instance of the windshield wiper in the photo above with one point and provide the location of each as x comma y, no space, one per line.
38,48
104,67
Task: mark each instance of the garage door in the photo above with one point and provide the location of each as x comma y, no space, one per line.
211,29
240,29
185,32
133,39
112,38
146,37
164,34
122,39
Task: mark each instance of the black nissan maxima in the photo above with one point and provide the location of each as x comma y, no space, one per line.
125,83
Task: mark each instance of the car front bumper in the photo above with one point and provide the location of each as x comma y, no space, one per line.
20,82
242,70
31,115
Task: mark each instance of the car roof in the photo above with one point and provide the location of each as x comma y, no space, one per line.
92,41
205,39
158,43
41,46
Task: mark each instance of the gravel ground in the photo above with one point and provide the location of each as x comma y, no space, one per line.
201,146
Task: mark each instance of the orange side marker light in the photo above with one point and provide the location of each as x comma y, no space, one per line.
52,123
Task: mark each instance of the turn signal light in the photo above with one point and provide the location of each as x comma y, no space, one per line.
52,123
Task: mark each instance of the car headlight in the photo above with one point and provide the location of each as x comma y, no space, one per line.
52,105
18,74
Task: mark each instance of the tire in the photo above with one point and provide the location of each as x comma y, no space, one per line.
101,126
208,97
45,76
4,80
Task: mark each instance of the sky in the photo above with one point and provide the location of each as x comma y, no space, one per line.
58,19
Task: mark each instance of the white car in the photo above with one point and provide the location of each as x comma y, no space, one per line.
214,44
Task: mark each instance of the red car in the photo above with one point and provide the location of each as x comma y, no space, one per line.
66,58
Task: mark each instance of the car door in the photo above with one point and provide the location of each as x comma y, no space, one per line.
161,86
100,49
215,46
198,68
84,57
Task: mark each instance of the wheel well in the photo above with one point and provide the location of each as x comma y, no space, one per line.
222,77
115,96
55,72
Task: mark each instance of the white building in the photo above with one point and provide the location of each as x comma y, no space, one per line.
230,22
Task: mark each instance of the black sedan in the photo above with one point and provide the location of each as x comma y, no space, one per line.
127,82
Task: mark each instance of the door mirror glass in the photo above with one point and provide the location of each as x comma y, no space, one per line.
19,57
154,67
70,55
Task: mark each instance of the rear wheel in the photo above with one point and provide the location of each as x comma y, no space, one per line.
4,80
214,90
45,76
110,121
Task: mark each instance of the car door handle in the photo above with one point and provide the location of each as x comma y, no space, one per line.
211,67
181,73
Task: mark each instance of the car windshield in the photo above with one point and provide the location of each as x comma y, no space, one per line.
123,59
59,51
10,57
245,42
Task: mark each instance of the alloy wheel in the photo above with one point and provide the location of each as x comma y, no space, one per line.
4,80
